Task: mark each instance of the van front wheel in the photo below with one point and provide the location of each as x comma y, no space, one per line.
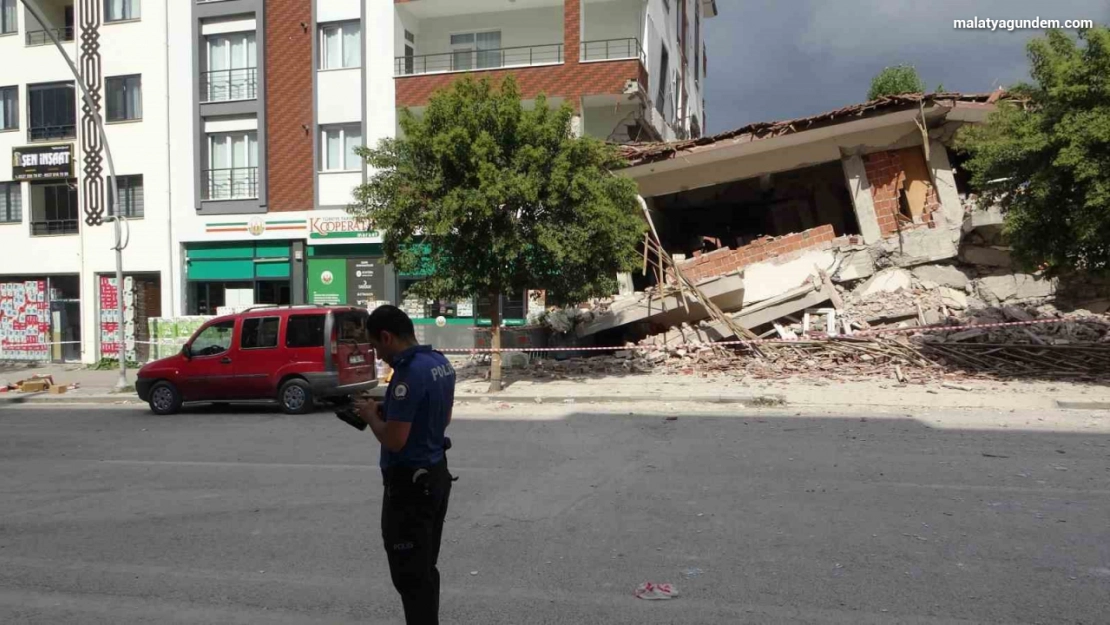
295,397
164,399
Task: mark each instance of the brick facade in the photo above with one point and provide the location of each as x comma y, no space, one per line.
886,175
571,80
724,260
289,105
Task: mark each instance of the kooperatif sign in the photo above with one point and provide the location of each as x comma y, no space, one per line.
42,162
338,228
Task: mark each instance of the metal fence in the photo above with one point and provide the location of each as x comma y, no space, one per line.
478,60
238,183
224,85
611,49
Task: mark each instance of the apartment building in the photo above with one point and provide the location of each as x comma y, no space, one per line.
633,69
57,266
280,93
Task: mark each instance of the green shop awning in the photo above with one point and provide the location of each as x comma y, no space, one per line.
237,260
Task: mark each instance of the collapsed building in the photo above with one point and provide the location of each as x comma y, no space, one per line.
862,211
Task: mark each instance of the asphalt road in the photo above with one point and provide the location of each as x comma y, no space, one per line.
113,515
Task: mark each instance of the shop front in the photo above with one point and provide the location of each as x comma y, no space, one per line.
40,318
142,301
228,276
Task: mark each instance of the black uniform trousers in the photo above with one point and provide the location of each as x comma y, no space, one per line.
413,509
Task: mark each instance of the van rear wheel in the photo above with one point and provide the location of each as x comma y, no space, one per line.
295,397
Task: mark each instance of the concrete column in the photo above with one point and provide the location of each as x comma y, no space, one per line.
855,174
951,207
297,277
624,284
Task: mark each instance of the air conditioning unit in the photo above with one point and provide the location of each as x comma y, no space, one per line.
631,86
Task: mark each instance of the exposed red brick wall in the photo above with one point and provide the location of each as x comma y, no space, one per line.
289,105
725,259
571,80
885,173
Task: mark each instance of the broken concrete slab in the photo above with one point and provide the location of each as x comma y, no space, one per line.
854,265
1030,286
726,291
996,289
763,281
986,256
953,298
886,281
790,303
983,218
919,247
942,275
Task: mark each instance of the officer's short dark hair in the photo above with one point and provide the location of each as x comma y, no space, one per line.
390,319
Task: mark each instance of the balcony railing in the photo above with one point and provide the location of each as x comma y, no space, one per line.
478,60
611,50
42,37
240,183
223,85
51,133
52,227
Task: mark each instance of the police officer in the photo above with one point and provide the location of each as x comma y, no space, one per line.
410,425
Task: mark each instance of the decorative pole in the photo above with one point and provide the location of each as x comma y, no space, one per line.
117,218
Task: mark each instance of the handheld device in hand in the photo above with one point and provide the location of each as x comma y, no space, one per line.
348,415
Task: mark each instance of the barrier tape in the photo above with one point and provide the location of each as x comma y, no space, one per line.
813,337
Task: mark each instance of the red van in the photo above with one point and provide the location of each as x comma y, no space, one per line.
298,355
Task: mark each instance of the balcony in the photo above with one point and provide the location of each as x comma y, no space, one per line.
52,133
240,183
54,227
42,37
612,50
226,85
479,60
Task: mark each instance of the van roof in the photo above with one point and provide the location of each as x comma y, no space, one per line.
296,309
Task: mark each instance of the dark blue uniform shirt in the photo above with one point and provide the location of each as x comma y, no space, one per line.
421,392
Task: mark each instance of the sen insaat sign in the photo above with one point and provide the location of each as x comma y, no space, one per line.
42,162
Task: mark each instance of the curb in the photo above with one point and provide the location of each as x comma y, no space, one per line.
751,400
1082,405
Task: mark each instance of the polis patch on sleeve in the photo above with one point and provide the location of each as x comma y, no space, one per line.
401,391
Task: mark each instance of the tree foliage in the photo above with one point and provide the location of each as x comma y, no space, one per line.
495,198
895,81
1046,159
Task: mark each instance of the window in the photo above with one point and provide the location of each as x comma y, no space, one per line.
260,333
340,45
125,98
351,327
54,209
121,10
697,42
232,166
232,68
8,23
476,50
339,147
11,203
213,340
9,108
660,102
305,331
53,111
130,197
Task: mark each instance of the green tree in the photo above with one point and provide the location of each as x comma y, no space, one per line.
490,198
1045,159
895,81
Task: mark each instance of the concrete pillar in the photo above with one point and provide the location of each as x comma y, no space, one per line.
855,174
297,276
624,284
941,169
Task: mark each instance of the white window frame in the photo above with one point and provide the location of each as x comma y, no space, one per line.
322,48
250,41
473,49
228,143
135,13
325,165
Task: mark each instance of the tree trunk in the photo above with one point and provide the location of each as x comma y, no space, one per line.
495,343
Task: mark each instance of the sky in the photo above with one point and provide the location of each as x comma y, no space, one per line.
780,59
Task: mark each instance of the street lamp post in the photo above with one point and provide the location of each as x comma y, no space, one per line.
116,218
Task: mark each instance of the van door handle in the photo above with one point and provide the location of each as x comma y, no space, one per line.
225,360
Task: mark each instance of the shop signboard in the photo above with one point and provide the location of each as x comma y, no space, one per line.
341,230
327,281
365,282
42,162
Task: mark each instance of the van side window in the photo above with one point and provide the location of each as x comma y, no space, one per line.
305,331
215,339
260,333
352,326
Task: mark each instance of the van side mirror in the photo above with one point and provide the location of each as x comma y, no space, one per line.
186,352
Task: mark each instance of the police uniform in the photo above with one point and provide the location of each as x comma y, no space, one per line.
417,482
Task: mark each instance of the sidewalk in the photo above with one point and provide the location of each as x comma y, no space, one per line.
99,387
